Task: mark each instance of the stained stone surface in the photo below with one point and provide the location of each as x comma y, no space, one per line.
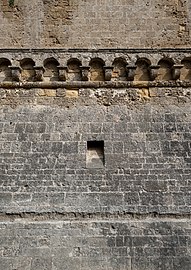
124,205
96,245
56,213
147,159
95,23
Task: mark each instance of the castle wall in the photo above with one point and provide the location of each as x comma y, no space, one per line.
59,213
146,169
95,142
93,244
95,24
65,205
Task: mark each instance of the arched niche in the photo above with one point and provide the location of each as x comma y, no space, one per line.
51,72
5,72
97,70
119,70
165,70
142,70
186,70
27,69
74,72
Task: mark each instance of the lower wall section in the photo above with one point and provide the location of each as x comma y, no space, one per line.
116,244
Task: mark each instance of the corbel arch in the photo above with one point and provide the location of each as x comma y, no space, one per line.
142,70
165,70
186,70
97,69
51,72
119,69
5,72
74,71
27,69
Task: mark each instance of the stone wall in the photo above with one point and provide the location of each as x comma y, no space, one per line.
95,170
92,244
133,212
146,159
95,23
94,138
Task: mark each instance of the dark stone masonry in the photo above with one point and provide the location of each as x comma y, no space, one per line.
132,211
95,135
147,158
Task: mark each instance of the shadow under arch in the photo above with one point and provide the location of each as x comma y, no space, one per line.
27,69
97,69
5,71
119,69
51,72
186,70
74,71
142,70
165,70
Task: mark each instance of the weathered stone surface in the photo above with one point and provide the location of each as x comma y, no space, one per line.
95,24
95,124
146,155
129,244
145,177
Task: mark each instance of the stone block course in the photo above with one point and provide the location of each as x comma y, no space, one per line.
95,244
95,135
144,169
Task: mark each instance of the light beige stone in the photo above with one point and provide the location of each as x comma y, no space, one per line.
50,92
72,93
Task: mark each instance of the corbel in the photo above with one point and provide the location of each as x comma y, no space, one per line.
39,73
62,73
108,72
131,72
153,70
176,69
15,73
85,72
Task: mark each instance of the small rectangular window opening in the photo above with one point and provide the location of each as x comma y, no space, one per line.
95,154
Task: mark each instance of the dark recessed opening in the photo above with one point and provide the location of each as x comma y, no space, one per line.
95,154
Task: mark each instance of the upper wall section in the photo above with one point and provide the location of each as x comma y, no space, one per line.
95,23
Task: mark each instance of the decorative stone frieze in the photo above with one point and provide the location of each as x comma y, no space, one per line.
95,65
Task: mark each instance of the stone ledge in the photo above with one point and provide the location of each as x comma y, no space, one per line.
81,84
105,50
